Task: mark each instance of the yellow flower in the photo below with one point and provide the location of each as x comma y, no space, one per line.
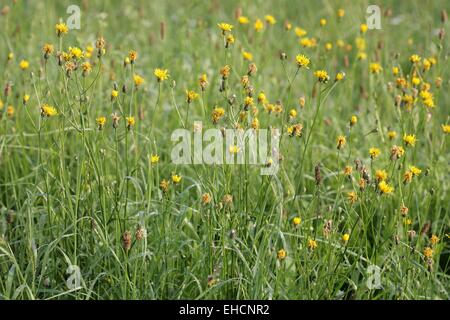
295,130
225,27
312,244
255,124
339,76
385,188
10,111
61,28
247,56
262,98
164,185
381,175
341,142
308,42
302,61
100,121
217,114
348,170
362,56
414,58
229,39
363,28
415,171
225,71
234,149
428,252
243,20
395,71
24,64
25,98
10,56
259,25
48,111
434,239
76,52
154,159
296,221
191,96
445,128
322,22
300,32
409,139
176,178
130,122
345,237
161,74
352,197
270,19
281,254
322,76
375,68
203,80
391,134
353,120
138,80
397,152
86,67
374,152
292,113
328,46
47,49
340,13
132,55
114,94
248,101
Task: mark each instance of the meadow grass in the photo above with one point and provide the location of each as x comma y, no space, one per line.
88,187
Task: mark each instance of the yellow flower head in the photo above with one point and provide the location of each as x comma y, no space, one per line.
302,61
292,113
428,252
154,159
374,152
270,19
281,254
391,134
434,239
259,25
47,49
130,122
100,121
191,96
76,52
363,28
375,68
176,178
352,197
10,111
322,76
340,76
410,139
415,171
300,32
340,142
61,29
25,98
381,175
414,58
114,94
243,20
132,55
345,237
296,221
247,56
353,120
385,188
445,128
225,27
340,13
48,111
24,64
217,114
322,22
138,80
312,244
234,149
161,74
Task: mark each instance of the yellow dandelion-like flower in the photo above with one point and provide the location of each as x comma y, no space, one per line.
414,58
191,96
24,64
375,68
61,29
428,252
410,139
300,32
391,134
233,149
434,239
322,76
322,22
341,141
259,25
225,27
138,80
281,254
312,244
130,122
374,152
345,237
247,56
100,121
302,61
154,159
363,28
353,121
161,74
296,221
340,13
48,111
176,178
243,20
381,175
352,197
445,128
385,188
